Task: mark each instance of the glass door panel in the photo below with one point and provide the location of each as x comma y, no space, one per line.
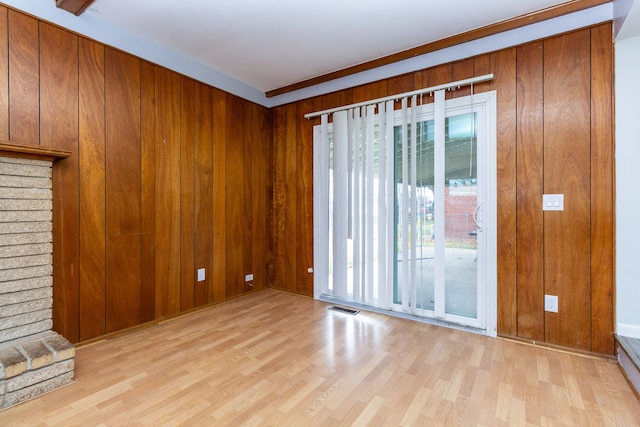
460,203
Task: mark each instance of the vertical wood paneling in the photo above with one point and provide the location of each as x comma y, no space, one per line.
92,157
4,74
148,193
249,170
602,191
236,222
462,70
530,144
24,79
503,66
187,194
204,191
260,117
247,201
167,146
218,289
279,196
567,171
291,187
59,129
123,189
438,75
304,209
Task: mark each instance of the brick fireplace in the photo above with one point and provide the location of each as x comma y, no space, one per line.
33,358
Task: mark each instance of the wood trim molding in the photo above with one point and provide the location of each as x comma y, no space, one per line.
77,7
509,24
10,149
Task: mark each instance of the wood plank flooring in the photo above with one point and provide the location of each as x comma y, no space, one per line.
273,358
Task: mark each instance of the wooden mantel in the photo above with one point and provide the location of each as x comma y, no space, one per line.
26,151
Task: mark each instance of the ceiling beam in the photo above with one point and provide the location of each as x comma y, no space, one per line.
509,24
74,6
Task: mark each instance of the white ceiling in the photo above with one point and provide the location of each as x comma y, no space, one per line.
268,44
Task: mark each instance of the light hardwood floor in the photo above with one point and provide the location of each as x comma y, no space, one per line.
278,359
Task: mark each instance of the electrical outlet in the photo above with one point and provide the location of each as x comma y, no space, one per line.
201,275
551,303
553,202
248,278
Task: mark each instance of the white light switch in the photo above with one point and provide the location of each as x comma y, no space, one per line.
553,202
551,303
201,275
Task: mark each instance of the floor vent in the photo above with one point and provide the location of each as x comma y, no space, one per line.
344,310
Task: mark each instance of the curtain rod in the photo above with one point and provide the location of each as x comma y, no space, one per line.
406,94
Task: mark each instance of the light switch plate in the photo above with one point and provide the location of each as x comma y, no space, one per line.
553,202
201,275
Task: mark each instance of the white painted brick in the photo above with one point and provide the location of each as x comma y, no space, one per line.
24,182
26,284
24,319
25,296
25,205
25,261
23,161
26,307
23,331
7,275
25,250
25,238
39,375
26,193
24,170
25,227
37,389
31,216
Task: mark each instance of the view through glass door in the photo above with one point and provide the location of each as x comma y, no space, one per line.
443,257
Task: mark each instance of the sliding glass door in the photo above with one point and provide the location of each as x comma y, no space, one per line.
436,191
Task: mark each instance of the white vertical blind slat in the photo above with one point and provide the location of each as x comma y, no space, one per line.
340,204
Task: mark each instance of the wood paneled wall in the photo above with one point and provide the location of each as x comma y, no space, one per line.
167,175
555,135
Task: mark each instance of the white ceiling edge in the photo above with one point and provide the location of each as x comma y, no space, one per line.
627,19
102,31
573,21
97,29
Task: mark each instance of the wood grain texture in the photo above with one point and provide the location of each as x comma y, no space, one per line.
304,209
218,289
204,191
567,165
530,146
306,366
120,209
24,79
602,191
279,197
123,190
77,7
262,125
486,31
291,177
187,194
92,158
58,59
503,65
147,192
167,146
237,222
521,82
4,74
462,70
